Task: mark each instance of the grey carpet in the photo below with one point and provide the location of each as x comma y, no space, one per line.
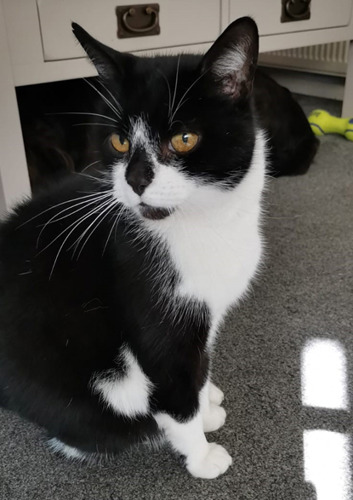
304,291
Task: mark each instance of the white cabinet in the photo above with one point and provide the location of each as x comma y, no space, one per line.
323,14
183,22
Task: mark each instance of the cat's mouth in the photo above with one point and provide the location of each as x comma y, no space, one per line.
154,213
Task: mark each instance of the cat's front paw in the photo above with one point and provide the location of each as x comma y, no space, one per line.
213,464
216,396
214,418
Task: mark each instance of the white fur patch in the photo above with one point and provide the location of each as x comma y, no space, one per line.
128,394
123,192
203,459
215,241
70,452
215,394
169,187
231,62
213,415
214,236
141,136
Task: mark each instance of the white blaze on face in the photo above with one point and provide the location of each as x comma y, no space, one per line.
169,188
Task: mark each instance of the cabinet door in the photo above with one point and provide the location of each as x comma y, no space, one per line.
267,14
182,22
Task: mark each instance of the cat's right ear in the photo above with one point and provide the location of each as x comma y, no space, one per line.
108,62
230,63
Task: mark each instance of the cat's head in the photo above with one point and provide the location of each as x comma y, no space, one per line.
176,127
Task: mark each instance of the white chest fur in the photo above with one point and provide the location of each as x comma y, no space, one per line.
215,242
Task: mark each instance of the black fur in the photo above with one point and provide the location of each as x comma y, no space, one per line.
57,333
292,143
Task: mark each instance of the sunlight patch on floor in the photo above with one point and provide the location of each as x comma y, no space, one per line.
324,375
325,385
326,464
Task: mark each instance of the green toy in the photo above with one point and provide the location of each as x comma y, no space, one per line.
322,123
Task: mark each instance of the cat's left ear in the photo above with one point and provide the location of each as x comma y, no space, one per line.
231,61
109,63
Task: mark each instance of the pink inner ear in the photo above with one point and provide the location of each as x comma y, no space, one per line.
237,83
231,85
232,59
234,69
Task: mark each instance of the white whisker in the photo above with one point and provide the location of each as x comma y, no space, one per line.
176,83
90,165
85,204
114,225
112,96
102,181
88,195
102,215
75,224
94,123
181,102
84,113
169,93
108,103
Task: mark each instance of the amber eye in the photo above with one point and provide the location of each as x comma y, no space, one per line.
119,143
183,143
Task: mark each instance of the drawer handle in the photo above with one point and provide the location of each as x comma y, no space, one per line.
293,15
149,11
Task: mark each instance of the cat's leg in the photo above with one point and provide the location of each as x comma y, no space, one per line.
203,459
213,415
216,396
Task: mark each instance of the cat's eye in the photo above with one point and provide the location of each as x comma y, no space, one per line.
183,143
119,143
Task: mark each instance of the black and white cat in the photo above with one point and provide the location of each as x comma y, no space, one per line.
113,288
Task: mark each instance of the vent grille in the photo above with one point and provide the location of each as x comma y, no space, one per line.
329,58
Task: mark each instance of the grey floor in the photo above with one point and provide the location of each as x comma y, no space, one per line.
305,292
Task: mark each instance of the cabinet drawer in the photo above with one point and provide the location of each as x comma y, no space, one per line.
267,14
182,22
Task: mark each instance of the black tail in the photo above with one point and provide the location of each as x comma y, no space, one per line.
295,160
3,399
293,144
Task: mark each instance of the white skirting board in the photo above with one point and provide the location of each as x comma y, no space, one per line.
317,70
329,87
328,58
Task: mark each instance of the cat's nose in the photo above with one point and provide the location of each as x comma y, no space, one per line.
139,174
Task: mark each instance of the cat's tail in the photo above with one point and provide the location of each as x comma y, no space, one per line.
296,160
3,399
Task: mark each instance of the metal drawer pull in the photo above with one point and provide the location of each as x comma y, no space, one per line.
131,12
302,15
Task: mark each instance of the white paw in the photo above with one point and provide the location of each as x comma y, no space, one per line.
214,418
213,464
216,396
